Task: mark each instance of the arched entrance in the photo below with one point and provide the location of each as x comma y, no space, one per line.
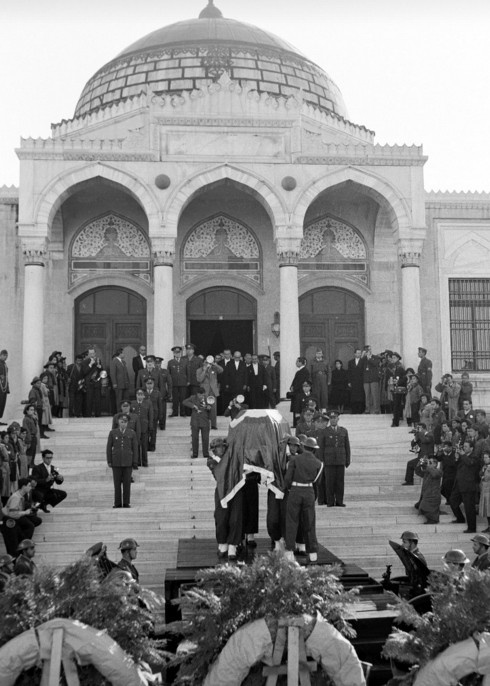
110,318
331,319
219,318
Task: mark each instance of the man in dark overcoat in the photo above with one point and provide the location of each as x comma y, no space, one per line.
335,455
178,373
122,458
355,376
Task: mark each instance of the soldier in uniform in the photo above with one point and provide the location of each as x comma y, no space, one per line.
165,388
143,408
133,421
302,472
129,552
155,397
24,564
398,383
193,364
178,373
150,372
410,541
200,421
122,457
424,371
335,456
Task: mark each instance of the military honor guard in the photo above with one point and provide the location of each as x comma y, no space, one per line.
155,397
143,408
178,373
335,455
200,421
165,388
122,457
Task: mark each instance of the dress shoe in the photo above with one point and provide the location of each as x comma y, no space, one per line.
48,429
340,505
251,543
407,483
44,436
44,508
329,505
301,553
127,506
222,555
135,467
116,507
486,531
232,558
443,512
457,521
469,531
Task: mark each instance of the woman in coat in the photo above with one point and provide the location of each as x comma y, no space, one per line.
339,390
320,379
31,425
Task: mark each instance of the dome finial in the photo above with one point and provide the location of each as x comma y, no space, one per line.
211,12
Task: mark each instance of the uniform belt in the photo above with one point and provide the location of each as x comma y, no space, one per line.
296,483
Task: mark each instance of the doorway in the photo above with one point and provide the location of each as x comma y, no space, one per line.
110,318
220,318
331,319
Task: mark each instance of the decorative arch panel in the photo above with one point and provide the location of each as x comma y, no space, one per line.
221,243
110,244
330,245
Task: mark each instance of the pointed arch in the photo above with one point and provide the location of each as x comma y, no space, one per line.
262,190
63,186
393,197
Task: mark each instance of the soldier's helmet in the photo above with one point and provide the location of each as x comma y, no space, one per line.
128,544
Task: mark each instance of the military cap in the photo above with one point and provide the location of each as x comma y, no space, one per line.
294,440
395,354
423,350
481,538
128,544
176,349
23,545
150,358
302,438
5,560
35,380
190,346
332,413
159,360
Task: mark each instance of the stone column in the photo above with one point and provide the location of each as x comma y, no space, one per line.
163,302
288,254
35,255
409,251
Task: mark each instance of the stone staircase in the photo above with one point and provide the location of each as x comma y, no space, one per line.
173,498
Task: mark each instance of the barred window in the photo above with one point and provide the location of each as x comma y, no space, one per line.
469,313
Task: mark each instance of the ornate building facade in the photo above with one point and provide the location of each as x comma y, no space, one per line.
210,187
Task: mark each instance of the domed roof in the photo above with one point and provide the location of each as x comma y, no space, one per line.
190,54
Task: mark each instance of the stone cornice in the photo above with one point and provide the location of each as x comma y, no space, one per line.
365,155
81,149
9,195
245,122
457,200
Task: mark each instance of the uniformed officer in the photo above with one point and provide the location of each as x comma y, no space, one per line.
424,371
143,408
129,552
302,472
122,457
151,372
165,388
193,364
335,456
178,373
200,421
24,564
454,563
155,397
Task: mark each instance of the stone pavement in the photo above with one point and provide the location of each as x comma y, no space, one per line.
173,498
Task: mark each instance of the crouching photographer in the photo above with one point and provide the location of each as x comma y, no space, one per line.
19,516
423,446
46,475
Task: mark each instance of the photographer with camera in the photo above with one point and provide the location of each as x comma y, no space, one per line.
423,445
465,487
46,476
19,516
429,503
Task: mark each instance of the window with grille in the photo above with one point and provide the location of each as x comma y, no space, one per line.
469,313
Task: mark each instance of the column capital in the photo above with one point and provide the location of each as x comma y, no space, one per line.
34,251
410,251
288,251
163,252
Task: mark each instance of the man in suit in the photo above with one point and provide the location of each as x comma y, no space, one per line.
207,376
143,408
122,458
199,421
465,487
234,379
76,388
119,377
222,360
4,382
271,381
178,373
46,476
139,361
257,385
355,376
467,413
335,455
481,544
277,371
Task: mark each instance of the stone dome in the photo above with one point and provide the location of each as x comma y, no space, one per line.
190,54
